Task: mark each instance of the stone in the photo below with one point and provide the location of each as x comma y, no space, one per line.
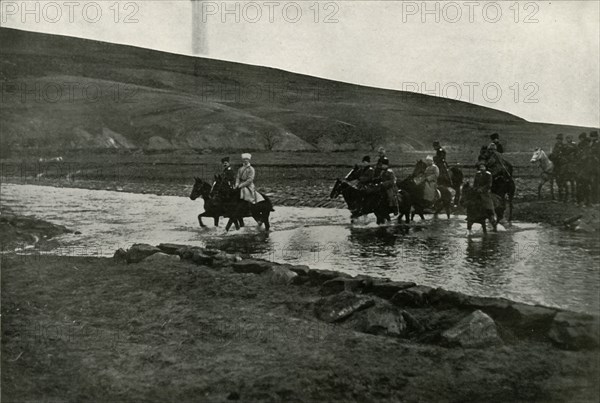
340,284
162,258
279,275
301,270
120,255
413,296
382,319
200,258
251,266
171,248
340,306
140,251
530,320
573,331
387,289
318,277
497,308
477,330
187,253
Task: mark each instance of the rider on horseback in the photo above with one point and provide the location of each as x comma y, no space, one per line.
495,137
245,181
483,185
378,166
365,173
387,179
431,175
440,161
228,175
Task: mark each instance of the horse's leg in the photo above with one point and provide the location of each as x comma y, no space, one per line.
540,189
266,221
241,222
552,187
216,221
469,227
200,220
229,223
484,227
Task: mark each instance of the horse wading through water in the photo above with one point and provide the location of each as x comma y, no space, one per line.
415,188
362,202
222,201
503,183
547,167
476,212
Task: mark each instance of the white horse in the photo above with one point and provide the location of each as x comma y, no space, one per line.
547,167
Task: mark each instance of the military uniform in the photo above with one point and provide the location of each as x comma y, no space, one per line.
440,161
365,176
388,183
228,176
499,147
483,185
245,182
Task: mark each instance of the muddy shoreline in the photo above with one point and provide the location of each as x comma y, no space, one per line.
186,323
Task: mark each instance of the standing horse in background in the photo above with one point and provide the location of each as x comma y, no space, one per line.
547,167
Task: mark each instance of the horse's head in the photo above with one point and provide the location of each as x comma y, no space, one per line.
337,189
200,189
537,155
420,167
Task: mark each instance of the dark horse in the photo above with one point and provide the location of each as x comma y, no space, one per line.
361,202
476,213
416,193
503,183
222,201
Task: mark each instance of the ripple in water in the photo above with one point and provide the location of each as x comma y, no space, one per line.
527,262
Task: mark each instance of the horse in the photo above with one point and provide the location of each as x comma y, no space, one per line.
218,202
361,202
503,183
476,214
547,167
416,192
454,179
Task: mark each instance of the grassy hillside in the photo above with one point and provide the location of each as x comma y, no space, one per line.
65,92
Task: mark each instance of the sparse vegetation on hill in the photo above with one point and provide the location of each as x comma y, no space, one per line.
74,93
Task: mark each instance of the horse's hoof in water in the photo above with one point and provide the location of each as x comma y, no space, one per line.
469,232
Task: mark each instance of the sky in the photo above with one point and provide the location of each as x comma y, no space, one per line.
537,60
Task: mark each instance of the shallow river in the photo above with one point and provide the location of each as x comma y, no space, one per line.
526,262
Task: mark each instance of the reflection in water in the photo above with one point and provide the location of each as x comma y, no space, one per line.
529,263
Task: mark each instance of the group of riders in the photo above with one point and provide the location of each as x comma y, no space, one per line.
492,169
577,164
437,172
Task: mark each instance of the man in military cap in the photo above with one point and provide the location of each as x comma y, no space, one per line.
558,148
482,184
439,159
496,140
378,166
387,178
228,174
366,173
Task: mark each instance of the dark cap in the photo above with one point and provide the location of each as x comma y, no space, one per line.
559,136
594,135
366,158
494,136
224,159
582,135
436,143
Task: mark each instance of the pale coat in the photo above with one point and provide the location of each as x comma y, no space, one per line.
245,182
431,175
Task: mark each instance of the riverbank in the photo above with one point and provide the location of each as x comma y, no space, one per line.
204,325
26,231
